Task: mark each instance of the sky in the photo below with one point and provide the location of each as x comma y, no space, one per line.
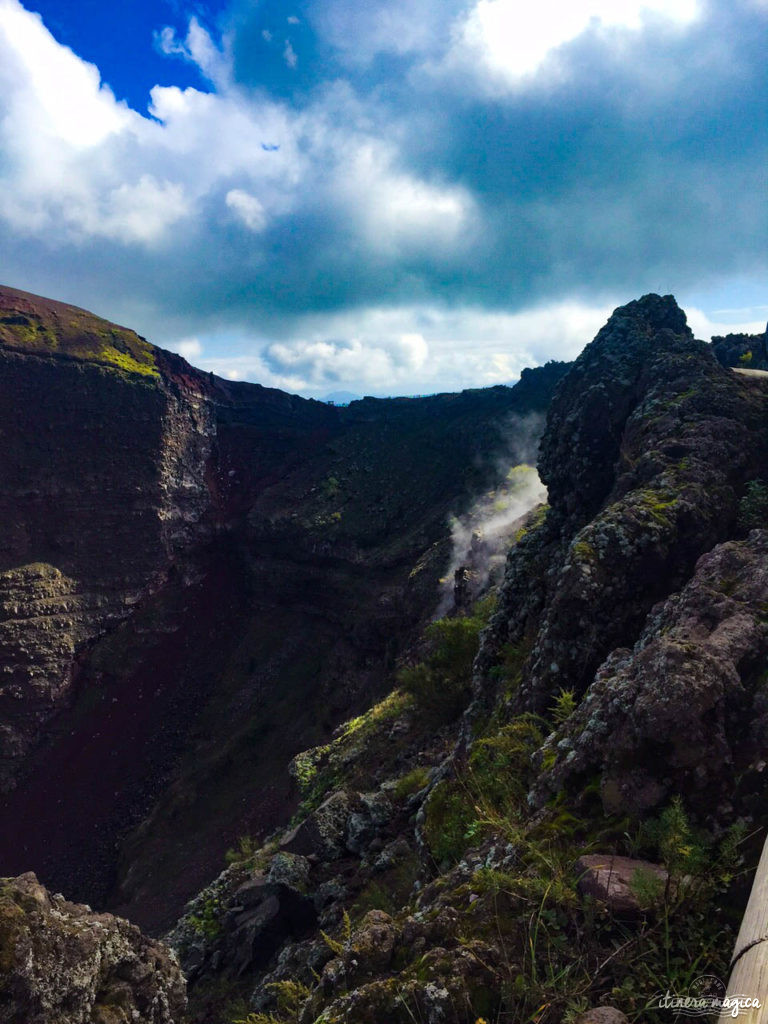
395,197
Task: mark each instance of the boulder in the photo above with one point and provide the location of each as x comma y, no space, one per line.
371,945
322,833
613,880
267,912
603,1015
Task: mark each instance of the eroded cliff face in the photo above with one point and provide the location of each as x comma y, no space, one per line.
197,580
102,483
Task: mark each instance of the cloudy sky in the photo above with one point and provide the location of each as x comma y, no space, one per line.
389,197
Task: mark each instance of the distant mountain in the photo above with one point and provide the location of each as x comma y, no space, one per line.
341,397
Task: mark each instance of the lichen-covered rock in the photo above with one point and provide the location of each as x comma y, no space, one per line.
367,952
686,708
452,984
238,924
289,869
371,945
373,811
62,964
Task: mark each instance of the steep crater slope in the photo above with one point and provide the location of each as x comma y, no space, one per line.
197,580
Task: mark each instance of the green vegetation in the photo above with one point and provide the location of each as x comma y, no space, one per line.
562,950
362,742
654,504
441,684
583,551
537,519
410,783
207,920
291,995
490,790
509,670
564,706
330,487
753,507
82,336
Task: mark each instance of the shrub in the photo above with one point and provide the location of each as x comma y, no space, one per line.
753,507
487,795
411,783
441,684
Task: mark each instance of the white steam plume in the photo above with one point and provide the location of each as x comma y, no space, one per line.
482,536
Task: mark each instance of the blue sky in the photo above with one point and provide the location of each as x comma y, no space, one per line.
393,197
118,39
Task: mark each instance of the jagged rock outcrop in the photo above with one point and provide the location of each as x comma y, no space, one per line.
746,351
62,964
648,446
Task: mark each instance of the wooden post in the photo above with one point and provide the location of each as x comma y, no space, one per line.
749,965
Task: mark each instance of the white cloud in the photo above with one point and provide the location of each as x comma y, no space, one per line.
190,348
289,55
412,350
88,166
47,86
398,212
198,48
78,164
379,352
360,31
248,208
141,212
705,325
510,40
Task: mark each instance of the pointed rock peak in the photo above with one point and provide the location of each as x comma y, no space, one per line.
586,421
658,312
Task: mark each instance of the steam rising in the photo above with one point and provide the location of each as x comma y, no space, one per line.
483,535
